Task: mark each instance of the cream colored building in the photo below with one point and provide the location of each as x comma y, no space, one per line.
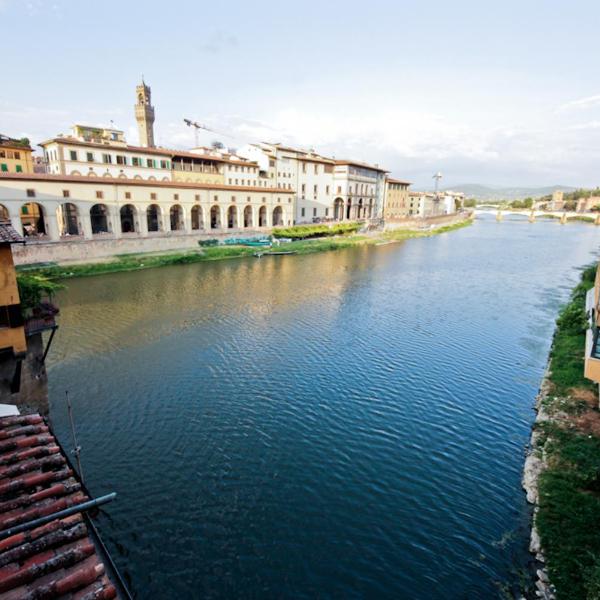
359,190
66,207
15,156
396,199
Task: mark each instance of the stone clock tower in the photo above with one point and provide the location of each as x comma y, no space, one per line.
144,115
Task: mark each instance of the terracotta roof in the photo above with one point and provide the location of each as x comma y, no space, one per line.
8,235
12,144
166,152
33,177
317,159
360,164
392,180
59,558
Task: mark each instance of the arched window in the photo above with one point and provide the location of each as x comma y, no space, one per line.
197,220
215,218
277,216
338,209
248,216
67,219
32,219
99,218
153,217
262,216
176,215
232,217
128,213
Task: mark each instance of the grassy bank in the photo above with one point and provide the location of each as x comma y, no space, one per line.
568,519
135,262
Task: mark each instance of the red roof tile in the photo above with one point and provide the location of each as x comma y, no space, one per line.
36,480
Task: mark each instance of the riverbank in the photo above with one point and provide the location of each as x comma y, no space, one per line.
135,262
562,470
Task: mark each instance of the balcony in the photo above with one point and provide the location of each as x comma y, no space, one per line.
41,318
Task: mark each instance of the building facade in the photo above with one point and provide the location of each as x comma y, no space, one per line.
396,199
55,208
15,155
359,191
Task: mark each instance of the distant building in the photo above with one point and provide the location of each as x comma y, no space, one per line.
397,202
587,204
144,115
15,156
557,202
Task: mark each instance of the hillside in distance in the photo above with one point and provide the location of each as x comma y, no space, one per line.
484,192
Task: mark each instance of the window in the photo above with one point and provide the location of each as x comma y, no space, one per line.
304,167
175,196
18,155
327,190
229,181
149,162
121,160
90,156
233,198
314,212
152,196
236,182
163,164
197,197
106,158
19,168
99,195
303,188
302,212
326,212
4,167
127,195
31,193
216,198
66,194
136,161
315,190
316,169
73,154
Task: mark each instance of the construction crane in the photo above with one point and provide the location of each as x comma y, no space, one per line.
198,126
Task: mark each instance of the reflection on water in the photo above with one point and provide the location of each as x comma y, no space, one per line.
344,424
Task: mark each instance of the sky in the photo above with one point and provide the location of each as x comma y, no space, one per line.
496,93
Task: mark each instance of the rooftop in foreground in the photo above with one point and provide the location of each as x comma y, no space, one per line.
62,557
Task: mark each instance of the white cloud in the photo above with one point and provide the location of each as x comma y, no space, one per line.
587,102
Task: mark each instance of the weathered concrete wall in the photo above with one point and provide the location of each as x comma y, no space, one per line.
33,393
412,223
84,251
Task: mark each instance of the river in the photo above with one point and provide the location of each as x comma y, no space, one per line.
345,424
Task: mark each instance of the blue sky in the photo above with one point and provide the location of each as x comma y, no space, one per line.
503,93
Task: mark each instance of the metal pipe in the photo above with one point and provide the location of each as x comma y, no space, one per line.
61,514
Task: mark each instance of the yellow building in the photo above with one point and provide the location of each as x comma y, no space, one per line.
396,199
15,155
191,167
12,329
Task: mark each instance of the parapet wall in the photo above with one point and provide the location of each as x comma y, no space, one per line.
418,223
97,250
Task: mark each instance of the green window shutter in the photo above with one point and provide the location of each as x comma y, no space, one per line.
4,167
19,169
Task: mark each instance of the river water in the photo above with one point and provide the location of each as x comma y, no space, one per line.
346,424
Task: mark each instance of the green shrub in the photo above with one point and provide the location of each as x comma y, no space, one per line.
303,232
34,288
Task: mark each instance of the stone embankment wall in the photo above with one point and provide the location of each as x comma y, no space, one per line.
97,250
418,223
535,463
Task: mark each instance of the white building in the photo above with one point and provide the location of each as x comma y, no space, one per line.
100,152
359,190
59,208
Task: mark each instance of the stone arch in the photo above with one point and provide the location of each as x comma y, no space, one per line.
215,217
99,218
68,219
151,178
137,177
128,213
360,209
107,174
33,219
277,216
248,216
153,218
262,216
122,176
338,209
197,217
165,179
176,217
349,209
77,173
92,173
232,217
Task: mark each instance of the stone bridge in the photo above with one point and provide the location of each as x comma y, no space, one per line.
533,214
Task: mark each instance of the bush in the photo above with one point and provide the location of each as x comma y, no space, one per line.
303,232
34,288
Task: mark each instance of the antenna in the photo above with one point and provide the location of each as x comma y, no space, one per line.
437,178
76,447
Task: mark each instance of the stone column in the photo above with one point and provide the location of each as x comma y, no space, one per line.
115,219
143,220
